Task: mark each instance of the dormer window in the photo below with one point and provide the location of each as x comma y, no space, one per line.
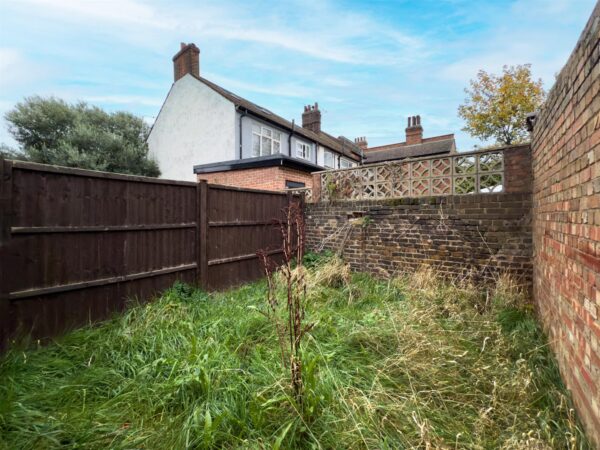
303,150
265,141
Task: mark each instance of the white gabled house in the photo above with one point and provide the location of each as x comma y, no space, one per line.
204,131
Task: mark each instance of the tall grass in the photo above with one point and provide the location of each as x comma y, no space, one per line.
406,363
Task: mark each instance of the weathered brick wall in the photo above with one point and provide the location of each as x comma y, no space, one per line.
481,235
269,178
566,221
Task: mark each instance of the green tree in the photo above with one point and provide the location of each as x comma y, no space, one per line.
496,106
51,131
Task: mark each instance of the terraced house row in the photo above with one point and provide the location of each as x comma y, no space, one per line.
205,132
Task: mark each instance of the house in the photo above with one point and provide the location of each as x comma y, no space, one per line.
206,132
415,146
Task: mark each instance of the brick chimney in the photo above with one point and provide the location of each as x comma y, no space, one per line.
414,131
187,60
362,143
311,118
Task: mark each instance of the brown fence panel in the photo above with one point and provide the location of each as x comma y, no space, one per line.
77,244
240,222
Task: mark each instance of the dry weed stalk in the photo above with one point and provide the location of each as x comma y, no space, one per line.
292,328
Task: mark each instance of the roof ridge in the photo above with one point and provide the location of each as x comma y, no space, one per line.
268,115
441,137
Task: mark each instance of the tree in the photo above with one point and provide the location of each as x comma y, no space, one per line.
51,131
497,106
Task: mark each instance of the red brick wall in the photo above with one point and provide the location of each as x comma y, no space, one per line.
517,168
187,60
566,222
269,178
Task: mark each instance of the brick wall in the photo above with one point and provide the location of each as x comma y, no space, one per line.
566,221
269,178
517,168
482,235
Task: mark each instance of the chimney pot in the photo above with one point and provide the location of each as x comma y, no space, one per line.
414,131
361,142
311,118
186,60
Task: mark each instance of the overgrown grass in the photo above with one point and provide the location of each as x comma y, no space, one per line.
405,363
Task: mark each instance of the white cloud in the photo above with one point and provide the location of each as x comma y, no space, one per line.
336,81
528,31
123,99
15,69
322,31
112,11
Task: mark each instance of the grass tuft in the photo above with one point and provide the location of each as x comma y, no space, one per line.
413,362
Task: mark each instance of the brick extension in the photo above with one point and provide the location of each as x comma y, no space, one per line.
566,222
269,178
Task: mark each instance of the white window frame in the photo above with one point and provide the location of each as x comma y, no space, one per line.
345,163
265,135
303,150
325,154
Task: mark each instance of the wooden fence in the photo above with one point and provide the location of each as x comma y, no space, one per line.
76,244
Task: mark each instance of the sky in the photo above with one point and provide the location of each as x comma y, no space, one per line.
369,65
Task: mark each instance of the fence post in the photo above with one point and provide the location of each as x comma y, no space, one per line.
202,234
6,214
316,187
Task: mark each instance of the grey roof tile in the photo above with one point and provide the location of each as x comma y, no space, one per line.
346,147
401,151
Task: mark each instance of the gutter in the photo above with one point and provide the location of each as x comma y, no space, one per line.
290,139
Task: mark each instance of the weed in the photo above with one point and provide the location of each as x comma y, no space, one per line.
293,328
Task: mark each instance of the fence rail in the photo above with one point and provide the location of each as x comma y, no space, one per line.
466,173
76,244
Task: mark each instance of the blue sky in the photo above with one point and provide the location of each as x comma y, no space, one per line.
368,64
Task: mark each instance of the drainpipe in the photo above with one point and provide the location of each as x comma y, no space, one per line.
244,114
290,139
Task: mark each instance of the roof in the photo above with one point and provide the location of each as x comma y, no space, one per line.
260,161
428,147
341,145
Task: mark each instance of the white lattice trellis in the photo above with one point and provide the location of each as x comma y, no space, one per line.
481,172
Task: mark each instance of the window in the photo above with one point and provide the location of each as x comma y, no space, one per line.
328,160
302,150
294,184
345,164
265,141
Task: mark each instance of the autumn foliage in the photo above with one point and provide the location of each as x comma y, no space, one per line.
496,106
